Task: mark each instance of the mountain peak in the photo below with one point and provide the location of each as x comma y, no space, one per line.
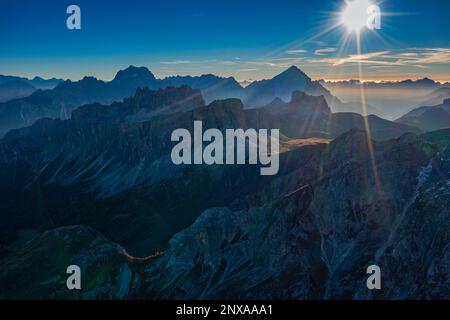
133,72
293,73
425,81
293,70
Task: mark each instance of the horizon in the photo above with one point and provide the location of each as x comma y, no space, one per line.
177,38
231,76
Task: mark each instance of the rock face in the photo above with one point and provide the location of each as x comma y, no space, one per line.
317,241
211,86
310,116
136,75
84,190
143,105
124,165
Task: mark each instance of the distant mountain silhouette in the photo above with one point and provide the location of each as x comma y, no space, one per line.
12,87
45,84
135,76
59,102
428,118
37,82
425,83
144,105
310,116
262,92
212,87
436,97
387,99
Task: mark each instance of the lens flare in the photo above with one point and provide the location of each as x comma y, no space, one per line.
355,14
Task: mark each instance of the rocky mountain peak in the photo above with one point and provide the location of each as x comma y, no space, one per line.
233,104
317,103
425,81
295,70
133,73
145,100
293,73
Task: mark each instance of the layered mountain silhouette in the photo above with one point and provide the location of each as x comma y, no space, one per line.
262,92
92,184
436,97
36,82
420,84
211,86
13,89
310,116
111,149
103,194
387,99
18,87
59,102
428,118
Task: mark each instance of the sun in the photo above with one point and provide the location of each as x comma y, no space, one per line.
354,15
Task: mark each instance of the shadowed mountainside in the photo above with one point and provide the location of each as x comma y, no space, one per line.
428,118
99,190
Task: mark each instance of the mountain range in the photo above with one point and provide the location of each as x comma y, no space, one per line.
436,97
428,118
94,186
391,100
424,83
60,101
12,87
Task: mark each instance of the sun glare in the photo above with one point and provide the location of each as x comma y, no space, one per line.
354,15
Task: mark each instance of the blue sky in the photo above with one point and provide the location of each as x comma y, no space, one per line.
247,39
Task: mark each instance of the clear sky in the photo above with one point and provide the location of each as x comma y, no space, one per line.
247,39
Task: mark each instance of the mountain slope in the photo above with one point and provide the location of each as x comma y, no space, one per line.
428,118
211,86
316,240
309,116
14,89
36,82
104,267
437,97
317,224
389,100
59,102
310,233
106,156
103,164
260,93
